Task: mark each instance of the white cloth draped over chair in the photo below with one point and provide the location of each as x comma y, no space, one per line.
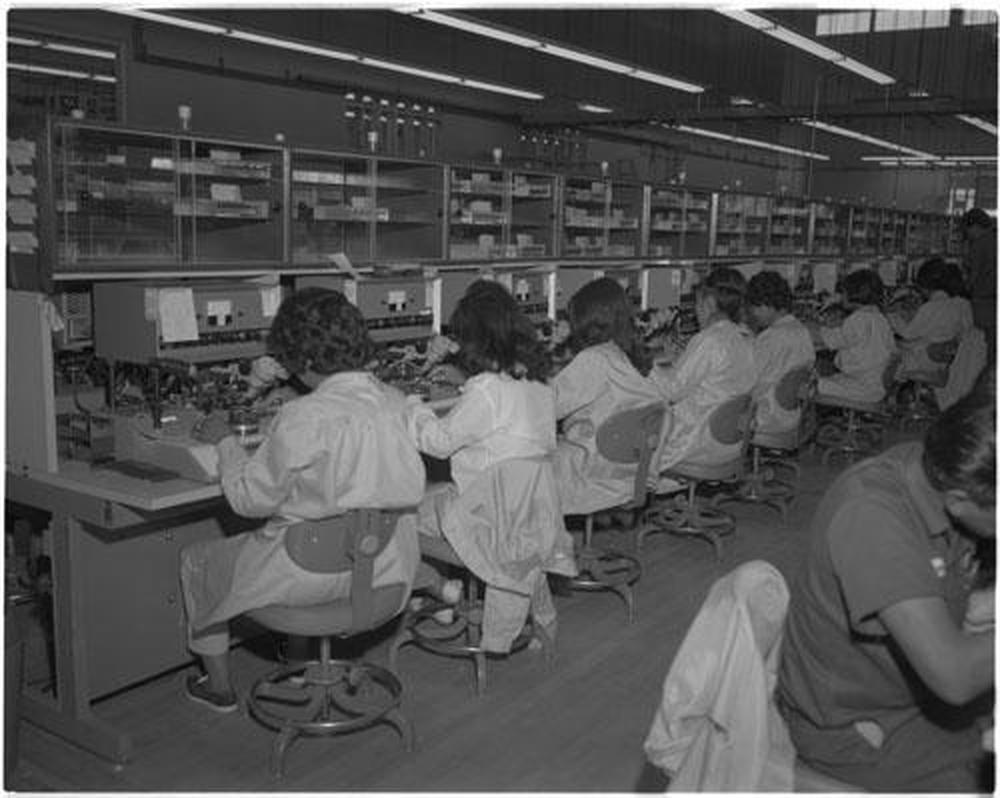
717,728
507,528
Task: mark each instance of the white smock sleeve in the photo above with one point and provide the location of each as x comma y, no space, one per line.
256,485
467,422
698,360
575,385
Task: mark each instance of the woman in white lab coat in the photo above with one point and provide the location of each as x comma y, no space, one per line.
782,344
945,316
343,446
864,342
603,378
501,514
715,366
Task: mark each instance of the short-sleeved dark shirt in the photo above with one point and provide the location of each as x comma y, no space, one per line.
880,536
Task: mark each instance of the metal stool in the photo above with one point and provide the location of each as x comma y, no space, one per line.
923,405
331,696
630,436
730,424
861,432
771,450
462,637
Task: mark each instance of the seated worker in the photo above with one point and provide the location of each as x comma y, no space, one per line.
944,316
878,678
344,445
508,534
602,379
782,343
716,365
863,342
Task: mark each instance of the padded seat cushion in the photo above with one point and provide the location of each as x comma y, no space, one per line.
937,378
849,404
708,472
331,618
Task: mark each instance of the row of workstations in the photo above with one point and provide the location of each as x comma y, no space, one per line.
117,526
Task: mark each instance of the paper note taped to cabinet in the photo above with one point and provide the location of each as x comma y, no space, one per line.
175,309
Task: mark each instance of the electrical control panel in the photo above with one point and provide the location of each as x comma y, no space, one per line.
143,321
395,308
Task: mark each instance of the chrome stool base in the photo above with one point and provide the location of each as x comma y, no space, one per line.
602,569
461,637
326,697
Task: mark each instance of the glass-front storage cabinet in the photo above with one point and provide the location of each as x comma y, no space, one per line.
478,213
678,220
408,210
133,200
229,203
585,209
625,208
892,232
114,195
788,227
829,229
331,206
741,224
863,230
532,232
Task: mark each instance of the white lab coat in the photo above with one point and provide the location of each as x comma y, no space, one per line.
599,382
781,347
717,365
940,318
716,728
502,516
864,344
344,446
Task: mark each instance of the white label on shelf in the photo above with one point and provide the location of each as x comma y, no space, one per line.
162,163
20,184
225,192
227,156
114,159
396,300
220,310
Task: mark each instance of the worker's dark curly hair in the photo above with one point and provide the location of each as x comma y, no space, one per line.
319,330
960,446
769,289
600,312
728,286
863,287
494,335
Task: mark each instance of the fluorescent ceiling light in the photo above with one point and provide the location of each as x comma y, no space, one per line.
804,43
593,109
663,80
853,134
63,73
975,121
288,44
165,19
327,52
697,131
497,88
460,23
63,48
551,48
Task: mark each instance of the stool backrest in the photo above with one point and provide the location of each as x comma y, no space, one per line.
732,421
889,375
632,436
942,352
349,542
795,388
